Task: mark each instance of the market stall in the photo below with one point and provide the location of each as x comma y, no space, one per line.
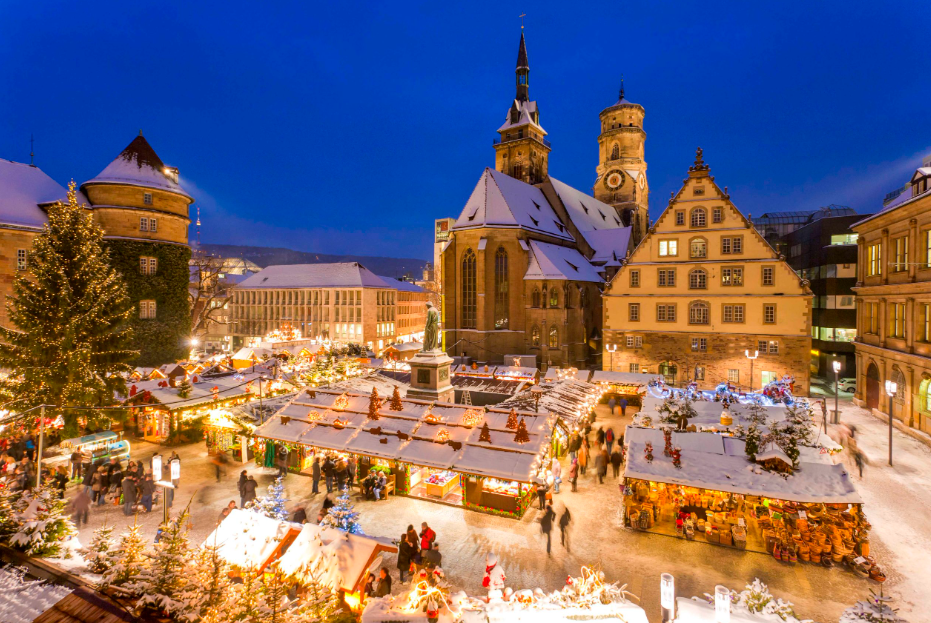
441,452
246,539
631,386
703,486
229,434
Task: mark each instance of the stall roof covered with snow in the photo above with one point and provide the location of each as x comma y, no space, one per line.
249,539
569,399
423,433
228,387
719,463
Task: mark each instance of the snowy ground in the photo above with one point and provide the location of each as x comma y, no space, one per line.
898,503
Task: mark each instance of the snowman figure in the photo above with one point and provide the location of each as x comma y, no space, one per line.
494,577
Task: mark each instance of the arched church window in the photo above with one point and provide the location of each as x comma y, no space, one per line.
501,289
567,299
615,152
535,297
554,337
583,297
467,279
554,297
535,335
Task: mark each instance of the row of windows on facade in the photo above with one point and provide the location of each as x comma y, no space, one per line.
308,297
896,327
700,344
733,374
698,217
898,261
148,224
828,271
698,247
833,334
340,314
552,340
698,277
699,312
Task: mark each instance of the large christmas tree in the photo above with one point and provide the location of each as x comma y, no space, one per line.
69,313
342,515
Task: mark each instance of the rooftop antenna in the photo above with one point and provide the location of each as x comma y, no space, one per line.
32,150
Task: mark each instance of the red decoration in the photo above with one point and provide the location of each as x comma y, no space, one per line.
194,379
677,457
132,391
667,437
648,452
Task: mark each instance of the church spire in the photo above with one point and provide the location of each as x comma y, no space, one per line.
523,72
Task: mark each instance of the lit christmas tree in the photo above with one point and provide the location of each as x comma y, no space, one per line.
9,498
69,340
396,404
274,602
244,601
374,405
163,585
211,581
319,600
44,523
127,562
184,388
522,436
512,420
272,505
97,556
342,516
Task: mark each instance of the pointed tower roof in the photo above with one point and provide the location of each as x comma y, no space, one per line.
139,165
622,101
522,61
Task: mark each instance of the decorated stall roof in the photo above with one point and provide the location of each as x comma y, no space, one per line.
228,388
707,463
569,399
249,539
441,436
624,378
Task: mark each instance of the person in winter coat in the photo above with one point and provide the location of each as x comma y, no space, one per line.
61,481
574,473
77,459
623,404
341,473
369,590
300,515
328,470
351,473
414,541
241,485
546,525
583,457
249,490
128,485
541,494
148,491
97,488
564,520
384,583
89,470
80,506
600,437
556,470
616,461
432,558
427,536
405,552
575,442
611,404
315,472
609,439
601,465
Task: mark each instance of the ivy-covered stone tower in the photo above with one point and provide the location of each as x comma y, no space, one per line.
143,211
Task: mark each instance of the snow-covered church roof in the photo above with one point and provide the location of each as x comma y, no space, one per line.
502,201
139,165
550,261
525,114
23,188
599,223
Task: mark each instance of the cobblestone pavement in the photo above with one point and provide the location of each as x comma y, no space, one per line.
897,499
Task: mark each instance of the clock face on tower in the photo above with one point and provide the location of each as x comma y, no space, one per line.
643,181
614,179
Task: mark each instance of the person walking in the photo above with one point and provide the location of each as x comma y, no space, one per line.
128,485
575,442
611,404
90,468
609,439
601,465
77,460
574,474
241,485
249,490
148,491
616,460
541,494
546,525
340,475
80,507
623,404
556,470
564,520
60,481
97,488
583,457
315,473
328,469
600,437
405,553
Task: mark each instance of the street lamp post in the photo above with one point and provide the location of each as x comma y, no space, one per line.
611,348
836,365
537,392
891,387
756,354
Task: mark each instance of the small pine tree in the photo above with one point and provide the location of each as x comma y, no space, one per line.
342,515
512,420
44,523
752,441
244,602
319,601
522,436
98,560
396,404
210,582
274,598
163,583
875,609
374,405
185,388
272,505
127,561
757,599
68,342
485,435
9,501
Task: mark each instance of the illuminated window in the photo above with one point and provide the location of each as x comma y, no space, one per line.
732,276
733,376
535,335
668,248
874,259
554,338
900,254
699,373
501,289
699,344
469,305
773,347
698,248
21,259
147,310
897,320
554,297
924,320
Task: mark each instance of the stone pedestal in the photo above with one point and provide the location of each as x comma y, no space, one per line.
430,377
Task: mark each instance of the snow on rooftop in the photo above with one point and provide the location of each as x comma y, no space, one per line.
550,261
525,110
139,165
248,539
337,275
23,188
22,600
502,201
633,378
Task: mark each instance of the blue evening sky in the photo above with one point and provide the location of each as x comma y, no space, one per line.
347,127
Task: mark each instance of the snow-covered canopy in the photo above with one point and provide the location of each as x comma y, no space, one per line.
249,539
23,599
335,275
628,378
346,557
719,463
422,433
228,387
569,399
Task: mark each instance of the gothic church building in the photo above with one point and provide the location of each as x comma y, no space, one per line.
528,256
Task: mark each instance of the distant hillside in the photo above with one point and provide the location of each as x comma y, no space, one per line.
269,256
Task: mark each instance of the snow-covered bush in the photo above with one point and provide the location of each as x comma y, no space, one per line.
43,523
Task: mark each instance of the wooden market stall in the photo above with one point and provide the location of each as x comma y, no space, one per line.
485,459
716,494
628,385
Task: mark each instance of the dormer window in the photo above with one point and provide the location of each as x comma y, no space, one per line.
147,198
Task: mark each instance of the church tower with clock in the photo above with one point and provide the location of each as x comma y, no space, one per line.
622,171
